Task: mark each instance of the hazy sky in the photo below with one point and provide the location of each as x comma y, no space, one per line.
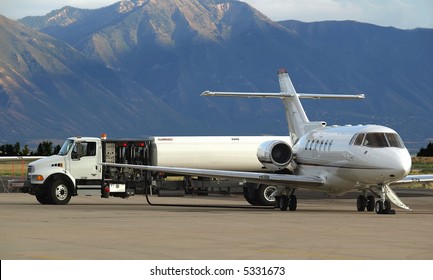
404,14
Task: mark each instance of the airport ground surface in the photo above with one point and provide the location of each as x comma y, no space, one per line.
95,228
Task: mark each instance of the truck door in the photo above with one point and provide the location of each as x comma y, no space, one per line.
83,164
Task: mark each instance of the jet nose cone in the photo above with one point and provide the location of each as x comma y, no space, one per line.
401,164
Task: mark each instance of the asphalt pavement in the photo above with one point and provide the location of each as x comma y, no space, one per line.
322,228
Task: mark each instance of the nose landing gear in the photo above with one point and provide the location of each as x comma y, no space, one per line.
383,206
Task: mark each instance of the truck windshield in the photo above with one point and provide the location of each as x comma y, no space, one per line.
66,147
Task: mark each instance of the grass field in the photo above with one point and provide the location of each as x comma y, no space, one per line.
15,168
422,165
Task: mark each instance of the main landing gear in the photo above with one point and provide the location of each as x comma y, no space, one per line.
285,202
365,203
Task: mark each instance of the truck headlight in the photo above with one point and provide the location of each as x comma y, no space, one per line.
37,178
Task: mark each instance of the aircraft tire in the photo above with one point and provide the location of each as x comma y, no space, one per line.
284,203
387,207
370,203
250,194
293,202
361,203
379,207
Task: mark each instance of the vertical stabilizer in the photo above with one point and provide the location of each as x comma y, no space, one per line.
297,119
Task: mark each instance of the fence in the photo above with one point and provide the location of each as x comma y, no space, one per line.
13,168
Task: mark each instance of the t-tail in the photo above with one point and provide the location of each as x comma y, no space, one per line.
297,120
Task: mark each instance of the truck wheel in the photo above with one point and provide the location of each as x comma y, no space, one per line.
59,192
264,197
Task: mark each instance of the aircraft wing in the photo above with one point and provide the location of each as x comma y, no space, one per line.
253,177
411,179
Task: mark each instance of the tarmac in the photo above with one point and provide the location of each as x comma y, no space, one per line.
92,228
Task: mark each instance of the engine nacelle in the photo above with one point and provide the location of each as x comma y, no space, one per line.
275,154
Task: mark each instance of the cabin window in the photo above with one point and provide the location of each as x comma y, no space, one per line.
330,144
321,145
306,145
311,145
317,144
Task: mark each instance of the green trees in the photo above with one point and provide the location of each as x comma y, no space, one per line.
426,152
45,148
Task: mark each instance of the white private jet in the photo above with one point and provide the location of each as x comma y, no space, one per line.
334,160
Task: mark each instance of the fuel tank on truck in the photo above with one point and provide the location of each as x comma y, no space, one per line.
238,153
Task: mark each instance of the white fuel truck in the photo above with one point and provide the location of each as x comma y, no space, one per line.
76,170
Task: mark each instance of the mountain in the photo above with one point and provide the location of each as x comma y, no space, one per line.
170,51
50,90
190,46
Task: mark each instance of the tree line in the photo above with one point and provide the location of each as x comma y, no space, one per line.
45,148
426,152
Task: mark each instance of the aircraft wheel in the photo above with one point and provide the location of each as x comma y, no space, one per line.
263,195
379,207
250,194
387,207
361,203
284,203
384,207
370,203
293,203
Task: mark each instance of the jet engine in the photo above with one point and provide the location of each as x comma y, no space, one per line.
275,154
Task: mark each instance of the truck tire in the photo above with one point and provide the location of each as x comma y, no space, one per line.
43,198
59,192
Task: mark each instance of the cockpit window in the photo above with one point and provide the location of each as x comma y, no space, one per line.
358,139
375,140
378,140
394,140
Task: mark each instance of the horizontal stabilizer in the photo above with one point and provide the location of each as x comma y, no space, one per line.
283,95
246,94
330,96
